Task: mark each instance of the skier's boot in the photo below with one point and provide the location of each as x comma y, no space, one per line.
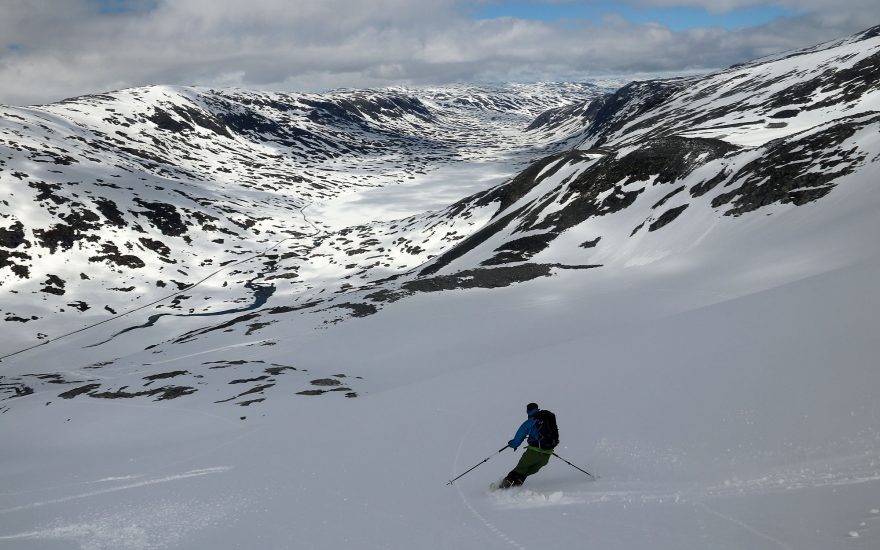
513,479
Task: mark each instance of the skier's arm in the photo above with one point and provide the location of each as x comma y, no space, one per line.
521,434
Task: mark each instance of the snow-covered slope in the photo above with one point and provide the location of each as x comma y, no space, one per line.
748,104
116,200
684,271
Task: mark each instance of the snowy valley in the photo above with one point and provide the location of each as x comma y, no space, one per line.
239,319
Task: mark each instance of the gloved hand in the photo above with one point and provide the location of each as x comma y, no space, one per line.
512,445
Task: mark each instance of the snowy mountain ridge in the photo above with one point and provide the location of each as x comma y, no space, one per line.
214,175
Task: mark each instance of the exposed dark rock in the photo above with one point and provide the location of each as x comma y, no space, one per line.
47,155
667,159
520,250
199,332
165,375
12,237
277,370
14,389
664,160
53,285
849,83
614,111
255,327
186,119
667,217
792,172
356,110
164,217
359,310
51,378
250,122
70,394
158,247
78,223
511,192
11,317
786,113
386,296
704,187
873,32
48,192
255,389
668,196
556,117
162,394
109,210
479,278
203,119
164,121
22,271
250,402
247,380
288,309
590,244
110,253
173,392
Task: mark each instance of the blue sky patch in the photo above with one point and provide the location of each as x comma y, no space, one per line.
676,18
115,7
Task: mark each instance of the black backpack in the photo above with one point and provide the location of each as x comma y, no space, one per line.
548,433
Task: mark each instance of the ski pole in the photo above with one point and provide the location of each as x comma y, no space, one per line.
486,460
573,466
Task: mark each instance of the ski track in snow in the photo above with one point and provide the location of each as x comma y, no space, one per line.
159,525
495,530
165,479
863,469
699,497
746,526
873,517
246,344
107,479
512,499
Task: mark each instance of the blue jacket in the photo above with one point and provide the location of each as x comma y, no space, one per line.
527,429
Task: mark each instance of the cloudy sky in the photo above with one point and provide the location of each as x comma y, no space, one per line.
52,49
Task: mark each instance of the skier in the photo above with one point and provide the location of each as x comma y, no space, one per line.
543,436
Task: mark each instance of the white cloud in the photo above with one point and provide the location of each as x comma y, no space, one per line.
53,50
726,6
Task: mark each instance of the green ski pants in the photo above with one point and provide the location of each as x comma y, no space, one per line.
530,462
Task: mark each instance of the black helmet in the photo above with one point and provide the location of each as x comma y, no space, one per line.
531,407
